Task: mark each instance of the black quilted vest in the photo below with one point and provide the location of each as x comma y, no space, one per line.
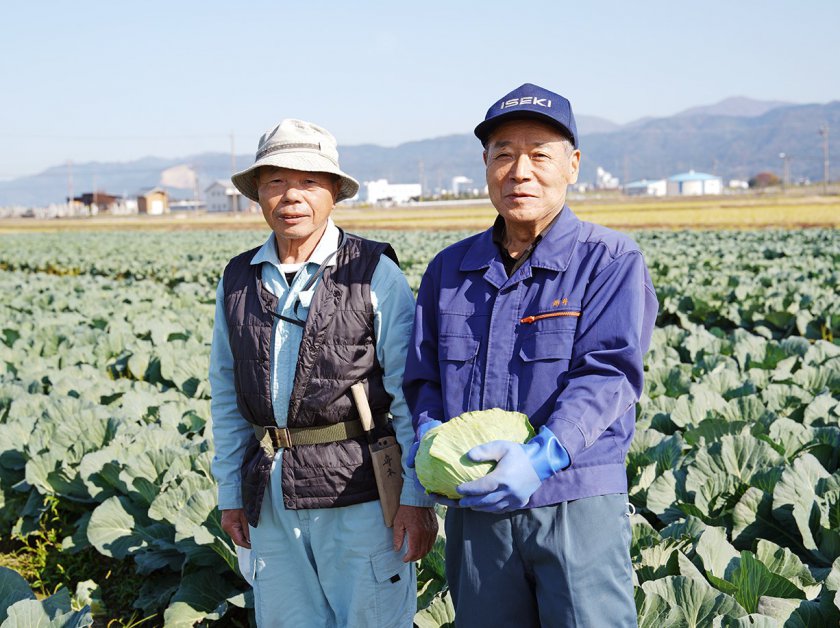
337,350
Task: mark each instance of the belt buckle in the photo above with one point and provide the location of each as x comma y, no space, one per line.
283,437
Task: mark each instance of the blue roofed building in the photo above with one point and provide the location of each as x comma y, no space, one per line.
694,184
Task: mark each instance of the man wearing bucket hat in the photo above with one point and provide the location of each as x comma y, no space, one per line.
547,315
299,321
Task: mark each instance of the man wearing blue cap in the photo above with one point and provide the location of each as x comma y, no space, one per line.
551,316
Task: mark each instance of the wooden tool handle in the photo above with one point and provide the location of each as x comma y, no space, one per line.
359,396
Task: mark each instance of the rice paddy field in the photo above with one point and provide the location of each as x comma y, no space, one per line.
747,211
107,504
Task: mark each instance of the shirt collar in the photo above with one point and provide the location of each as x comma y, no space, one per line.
327,245
558,243
554,252
513,263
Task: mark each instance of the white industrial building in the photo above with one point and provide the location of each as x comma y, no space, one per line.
645,187
383,193
605,180
463,186
221,196
694,184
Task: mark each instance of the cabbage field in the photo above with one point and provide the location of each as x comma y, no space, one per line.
107,504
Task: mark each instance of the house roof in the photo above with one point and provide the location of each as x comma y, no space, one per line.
227,185
692,176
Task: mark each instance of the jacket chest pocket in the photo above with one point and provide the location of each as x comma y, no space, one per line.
543,367
547,346
548,336
457,355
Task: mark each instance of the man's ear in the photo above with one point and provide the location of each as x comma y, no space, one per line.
574,167
484,156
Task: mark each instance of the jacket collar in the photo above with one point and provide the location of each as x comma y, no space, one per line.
554,251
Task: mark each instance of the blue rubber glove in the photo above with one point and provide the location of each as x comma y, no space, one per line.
421,431
518,474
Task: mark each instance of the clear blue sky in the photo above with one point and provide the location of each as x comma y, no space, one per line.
115,81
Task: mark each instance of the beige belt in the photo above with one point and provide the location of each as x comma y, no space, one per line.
276,437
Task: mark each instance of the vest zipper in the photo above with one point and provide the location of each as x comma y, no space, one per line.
531,319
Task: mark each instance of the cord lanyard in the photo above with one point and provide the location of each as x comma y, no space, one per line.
301,322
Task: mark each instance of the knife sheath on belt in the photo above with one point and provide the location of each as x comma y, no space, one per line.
386,456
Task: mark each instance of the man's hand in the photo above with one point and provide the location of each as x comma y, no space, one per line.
508,486
519,472
420,526
236,525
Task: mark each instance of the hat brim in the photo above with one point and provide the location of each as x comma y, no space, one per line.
246,180
484,129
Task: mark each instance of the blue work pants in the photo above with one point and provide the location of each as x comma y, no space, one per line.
328,567
561,566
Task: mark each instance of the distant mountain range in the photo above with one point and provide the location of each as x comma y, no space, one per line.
735,138
737,106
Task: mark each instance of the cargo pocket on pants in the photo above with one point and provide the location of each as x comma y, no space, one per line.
256,569
395,591
247,563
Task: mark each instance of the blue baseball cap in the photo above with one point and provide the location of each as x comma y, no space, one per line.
530,101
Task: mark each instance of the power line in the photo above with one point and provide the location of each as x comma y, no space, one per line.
108,168
30,136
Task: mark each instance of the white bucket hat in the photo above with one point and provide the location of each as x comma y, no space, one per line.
296,145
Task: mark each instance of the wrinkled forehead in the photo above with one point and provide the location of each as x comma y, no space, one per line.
525,132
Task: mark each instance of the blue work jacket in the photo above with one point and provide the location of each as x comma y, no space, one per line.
561,340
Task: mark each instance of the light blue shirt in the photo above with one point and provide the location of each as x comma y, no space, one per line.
393,307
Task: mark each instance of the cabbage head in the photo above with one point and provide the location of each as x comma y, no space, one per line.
442,464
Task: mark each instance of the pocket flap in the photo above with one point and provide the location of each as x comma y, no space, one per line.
458,348
388,564
553,346
247,564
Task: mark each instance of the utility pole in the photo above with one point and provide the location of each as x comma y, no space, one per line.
785,169
69,184
826,164
195,189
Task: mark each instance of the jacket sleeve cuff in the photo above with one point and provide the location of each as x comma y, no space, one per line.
570,434
411,495
546,454
230,497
